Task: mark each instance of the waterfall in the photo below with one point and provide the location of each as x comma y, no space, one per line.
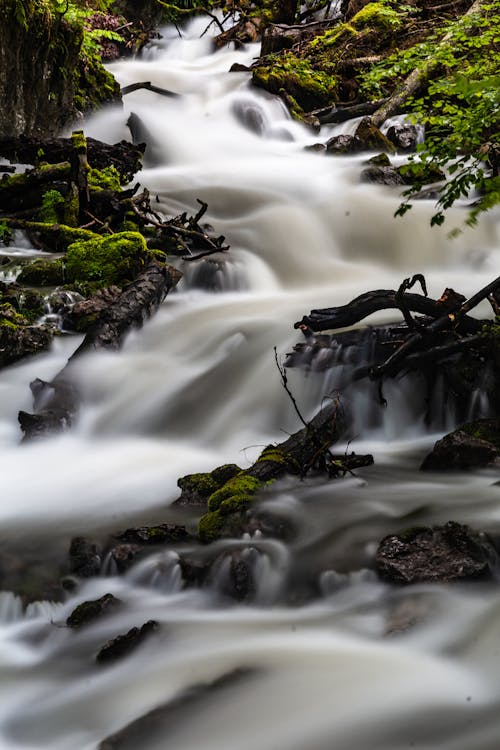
327,655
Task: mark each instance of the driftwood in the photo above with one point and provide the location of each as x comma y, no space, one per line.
56,403
444,335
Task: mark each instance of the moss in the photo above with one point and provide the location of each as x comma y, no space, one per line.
309,87
210,527
332,38
378,16
103,261
94,85
50,211
242,486
42,272
202,485
484,429
108,178
79,142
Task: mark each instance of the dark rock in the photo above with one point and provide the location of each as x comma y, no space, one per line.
403,135
379,160
344,144
122,645
382,176
87,612
250,116
124,555
239,68
372,138
84,557
241,579
316,147
161,534
439,554
42,272
194,572
460,450
20,341
279,37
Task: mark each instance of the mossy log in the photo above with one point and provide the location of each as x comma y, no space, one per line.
124,156
56,403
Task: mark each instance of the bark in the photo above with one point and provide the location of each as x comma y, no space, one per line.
56,403
417,78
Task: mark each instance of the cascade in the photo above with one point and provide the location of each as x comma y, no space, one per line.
326,655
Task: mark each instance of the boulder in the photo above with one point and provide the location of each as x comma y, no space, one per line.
438,554
382,176
460,450
403,135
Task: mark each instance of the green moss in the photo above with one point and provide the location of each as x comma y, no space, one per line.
78,141
108,178
378,16
50,211
42,272
204,484
210,527
332,38
113,259
309,87
239,489
484,429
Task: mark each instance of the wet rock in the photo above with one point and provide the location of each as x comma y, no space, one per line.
162,534
197,488
460,450
239,68
84,557
440,554
344,144
382,176
42,272
85,313
241,580
249,116
316,147
379,160
403,135
23,340
122,645
124,555
87,612
194,572
372,138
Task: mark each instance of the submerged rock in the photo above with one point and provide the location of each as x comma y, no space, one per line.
161,534
438,554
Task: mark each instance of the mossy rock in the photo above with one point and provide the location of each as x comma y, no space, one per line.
42,272
108,178
309,87
197,488
484,429
238,489
372,138
377,16
104,261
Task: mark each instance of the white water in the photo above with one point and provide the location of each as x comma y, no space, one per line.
198,387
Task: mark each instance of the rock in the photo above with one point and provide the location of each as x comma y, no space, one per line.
120,646
87,612
382,176
19,341
439,554
344,144
241,579
124,555
316,147
239,68
161,534
372,138
197,488
403,135
42,272
460,450
379,160
84,557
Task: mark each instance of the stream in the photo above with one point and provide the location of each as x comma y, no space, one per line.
326,656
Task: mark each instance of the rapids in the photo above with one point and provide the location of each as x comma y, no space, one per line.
355,666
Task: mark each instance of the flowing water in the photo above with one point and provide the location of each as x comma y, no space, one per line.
326,656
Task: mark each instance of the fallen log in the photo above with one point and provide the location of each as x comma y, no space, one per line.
124,156
56,403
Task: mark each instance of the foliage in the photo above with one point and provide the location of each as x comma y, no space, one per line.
459,110
52,202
